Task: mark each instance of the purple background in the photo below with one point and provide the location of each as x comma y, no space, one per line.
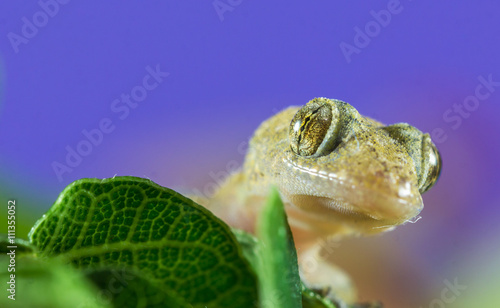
231,71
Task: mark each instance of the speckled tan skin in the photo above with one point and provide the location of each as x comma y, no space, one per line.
338,173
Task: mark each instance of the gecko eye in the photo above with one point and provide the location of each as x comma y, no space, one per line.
314,128
422,151
431,164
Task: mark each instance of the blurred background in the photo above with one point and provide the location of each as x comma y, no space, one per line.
173,90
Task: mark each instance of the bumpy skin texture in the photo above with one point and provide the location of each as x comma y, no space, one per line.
367,178
337,171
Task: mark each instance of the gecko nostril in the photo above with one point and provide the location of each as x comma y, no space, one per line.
404,190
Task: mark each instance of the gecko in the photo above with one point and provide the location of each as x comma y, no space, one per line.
338,173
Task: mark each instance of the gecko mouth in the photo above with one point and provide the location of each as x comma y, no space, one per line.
329,209
361,215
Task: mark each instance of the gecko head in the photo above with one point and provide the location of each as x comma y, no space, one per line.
343,167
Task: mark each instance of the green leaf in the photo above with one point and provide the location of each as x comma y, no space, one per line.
278,272
249,247
46,285
19,245
133,223
123,288
311,299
